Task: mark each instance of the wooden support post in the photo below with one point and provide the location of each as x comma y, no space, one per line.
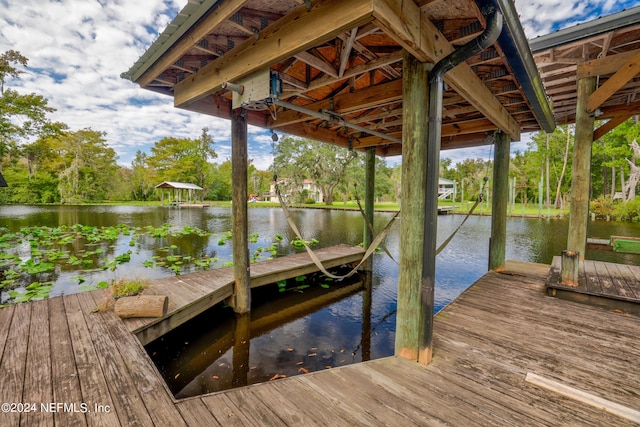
581,169
569,268
369,197
498,242
411,310
241,300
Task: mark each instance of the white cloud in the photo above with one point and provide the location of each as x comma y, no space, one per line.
77,50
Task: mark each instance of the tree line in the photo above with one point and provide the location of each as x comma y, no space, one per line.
46,162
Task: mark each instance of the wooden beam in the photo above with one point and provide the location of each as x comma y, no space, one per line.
628,71
346,52
317,63
604,66
403,21
613,123
285,38
351,72
345,103
222,13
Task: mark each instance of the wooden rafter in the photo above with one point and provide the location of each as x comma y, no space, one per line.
317,62
404,22
346,51
199,31
288,36
621,77
613,123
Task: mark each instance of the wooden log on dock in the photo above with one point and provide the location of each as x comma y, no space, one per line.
142,306
569,268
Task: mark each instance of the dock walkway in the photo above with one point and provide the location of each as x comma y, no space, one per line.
82,368
609,285
191,294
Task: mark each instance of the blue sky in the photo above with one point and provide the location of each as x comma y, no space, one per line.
78,48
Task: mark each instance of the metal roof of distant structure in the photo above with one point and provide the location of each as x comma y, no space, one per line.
179,185
607,48
598,26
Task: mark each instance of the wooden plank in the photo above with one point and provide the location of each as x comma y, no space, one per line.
609,286
592,279
13,365
92,381
6,313
127,401
277,42
619,277
250,403
195,413
66,387
226,413
605,65
37,381
156,397
588,398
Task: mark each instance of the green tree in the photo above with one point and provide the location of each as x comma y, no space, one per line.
326,164
21,116
88,166
143,177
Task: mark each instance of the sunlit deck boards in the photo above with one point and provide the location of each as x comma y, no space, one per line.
57,351
600,283
191,294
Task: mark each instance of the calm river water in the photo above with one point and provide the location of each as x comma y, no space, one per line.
336,325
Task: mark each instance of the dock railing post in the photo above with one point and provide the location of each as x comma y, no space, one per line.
570,268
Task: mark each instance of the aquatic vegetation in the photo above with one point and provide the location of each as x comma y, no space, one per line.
42,254
124,287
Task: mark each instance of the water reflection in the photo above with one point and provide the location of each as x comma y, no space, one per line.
284,335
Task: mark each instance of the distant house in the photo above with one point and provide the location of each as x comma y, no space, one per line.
307,189
446,188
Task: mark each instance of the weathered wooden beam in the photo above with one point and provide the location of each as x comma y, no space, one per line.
411,310
317,63
499,202
222,13
403,21
605,65
369,198
621,77
344,103
346,52
613,123
288,36
581,169
241,300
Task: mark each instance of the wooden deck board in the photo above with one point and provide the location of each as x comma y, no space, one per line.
66,387
485,343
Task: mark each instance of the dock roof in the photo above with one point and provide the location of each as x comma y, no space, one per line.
179,185
346,58
607,47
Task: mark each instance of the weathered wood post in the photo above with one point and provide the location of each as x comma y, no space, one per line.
569,268
581,169
241,300
369,197
411,310
498,242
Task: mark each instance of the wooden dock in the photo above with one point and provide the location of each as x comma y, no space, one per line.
191,294
605,284
82,368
